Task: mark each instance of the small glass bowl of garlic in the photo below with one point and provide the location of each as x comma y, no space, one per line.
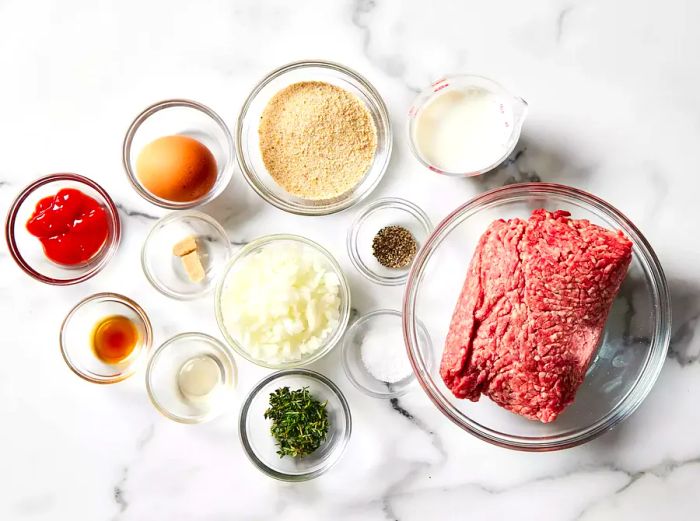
282,302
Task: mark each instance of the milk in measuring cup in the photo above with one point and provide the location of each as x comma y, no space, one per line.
463,129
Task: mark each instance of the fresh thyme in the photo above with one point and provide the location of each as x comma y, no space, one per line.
299,421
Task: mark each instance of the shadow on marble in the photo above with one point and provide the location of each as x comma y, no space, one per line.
236,206
393,166
685,309
530,162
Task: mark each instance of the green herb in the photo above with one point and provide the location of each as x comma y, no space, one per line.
299,421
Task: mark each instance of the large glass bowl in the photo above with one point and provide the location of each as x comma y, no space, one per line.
248,141
632,350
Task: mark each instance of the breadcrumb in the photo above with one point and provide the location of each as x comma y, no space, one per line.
317,140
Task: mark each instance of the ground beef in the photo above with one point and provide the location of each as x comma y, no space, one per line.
532,310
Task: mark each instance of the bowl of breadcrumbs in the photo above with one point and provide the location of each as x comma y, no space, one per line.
313,138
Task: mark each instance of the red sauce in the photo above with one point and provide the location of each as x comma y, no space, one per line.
71,226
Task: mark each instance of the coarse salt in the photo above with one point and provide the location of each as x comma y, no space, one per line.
384,356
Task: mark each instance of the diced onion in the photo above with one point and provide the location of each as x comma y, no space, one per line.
281,303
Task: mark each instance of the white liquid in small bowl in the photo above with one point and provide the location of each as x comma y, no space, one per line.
464,130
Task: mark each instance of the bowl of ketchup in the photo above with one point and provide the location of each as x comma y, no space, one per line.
62,229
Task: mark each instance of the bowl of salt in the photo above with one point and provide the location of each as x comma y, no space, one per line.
374,355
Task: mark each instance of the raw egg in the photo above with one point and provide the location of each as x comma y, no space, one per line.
176,168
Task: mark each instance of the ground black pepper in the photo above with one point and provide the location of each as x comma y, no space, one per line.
394,247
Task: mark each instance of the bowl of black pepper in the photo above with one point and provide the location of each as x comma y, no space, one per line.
384,239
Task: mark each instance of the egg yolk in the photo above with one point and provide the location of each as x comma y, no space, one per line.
176,168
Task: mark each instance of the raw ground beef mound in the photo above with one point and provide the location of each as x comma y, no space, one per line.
532,310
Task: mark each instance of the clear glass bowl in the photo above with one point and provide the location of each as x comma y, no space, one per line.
632,350
389,211
248,142
27,251
385,323
255,247
517,108
162,378
75,338
166,272
185,118
259,444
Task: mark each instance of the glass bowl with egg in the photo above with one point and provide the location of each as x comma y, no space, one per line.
178,154
313,138
32,252
105,338
282,301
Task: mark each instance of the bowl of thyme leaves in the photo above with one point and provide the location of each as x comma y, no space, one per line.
295,424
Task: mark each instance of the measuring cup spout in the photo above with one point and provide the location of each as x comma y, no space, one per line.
519,110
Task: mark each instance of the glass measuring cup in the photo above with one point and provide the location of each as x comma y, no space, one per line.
513,110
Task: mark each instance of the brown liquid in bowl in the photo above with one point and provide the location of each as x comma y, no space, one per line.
114,339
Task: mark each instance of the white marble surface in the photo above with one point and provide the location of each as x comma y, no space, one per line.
613,90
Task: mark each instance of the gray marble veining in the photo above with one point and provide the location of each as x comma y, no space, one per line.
612,89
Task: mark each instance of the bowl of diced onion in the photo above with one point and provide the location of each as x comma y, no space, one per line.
283,301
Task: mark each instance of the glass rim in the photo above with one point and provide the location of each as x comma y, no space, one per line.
111,243
251,177
147,341
193,420
340,445
648,374
409,383
352,236
222,179
174,216
345,304
430,93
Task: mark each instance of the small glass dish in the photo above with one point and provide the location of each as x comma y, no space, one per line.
513,109
166,272
248,141
385,327
253,248
27,251
375,216
259,444
75,337
163,377
185,118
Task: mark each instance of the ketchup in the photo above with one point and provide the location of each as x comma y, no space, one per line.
71,226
